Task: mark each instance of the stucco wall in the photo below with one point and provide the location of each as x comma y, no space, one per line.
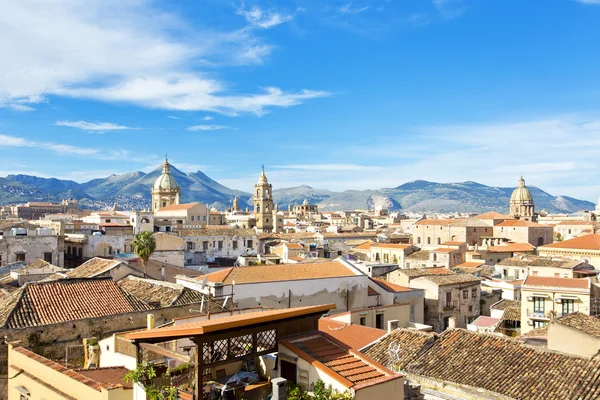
33,247
573,341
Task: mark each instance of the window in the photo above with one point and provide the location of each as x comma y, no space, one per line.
379,321
235,244
204,218
220,245
434,257
190,246
48,257
568,306
505,272
448,299
470,308
439,241
540,241
257,208
363,321
474,292
465,294
412,313
428,240
418,240
164,204
539,324
20,257
192,217
257,192
539,304
204,245
249,243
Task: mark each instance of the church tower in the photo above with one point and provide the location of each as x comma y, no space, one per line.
521,202
263,204
165,191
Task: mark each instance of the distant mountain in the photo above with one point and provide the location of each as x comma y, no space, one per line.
133,190
424,196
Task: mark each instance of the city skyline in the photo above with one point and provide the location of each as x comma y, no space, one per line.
351,95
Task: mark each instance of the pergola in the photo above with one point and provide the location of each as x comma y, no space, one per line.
233,338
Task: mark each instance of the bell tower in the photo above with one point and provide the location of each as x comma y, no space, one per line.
263,204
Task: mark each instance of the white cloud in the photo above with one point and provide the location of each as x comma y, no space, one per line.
264,19
172,117
347,9
595,2
126,51
208,118
94,126
208,127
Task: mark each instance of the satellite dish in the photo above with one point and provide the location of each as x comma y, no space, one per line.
203,284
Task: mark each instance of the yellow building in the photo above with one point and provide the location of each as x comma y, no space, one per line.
34,377
585,248
544,299
165,191
390,252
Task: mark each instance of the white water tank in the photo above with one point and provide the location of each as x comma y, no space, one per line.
19,232
43,232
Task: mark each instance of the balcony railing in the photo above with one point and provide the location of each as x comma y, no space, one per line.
537,314
450,305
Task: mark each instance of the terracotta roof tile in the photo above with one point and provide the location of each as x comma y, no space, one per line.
93,267
352,335
442,280
581,322
178,207
160,293
587,242
348,368
443,250
43,303
390,287
280,272
486,322
511,247
410,345
418,272
364,246
453,243
507,367
570,283
396,246
521,222
493,215
505,303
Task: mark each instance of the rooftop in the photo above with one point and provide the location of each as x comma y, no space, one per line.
177,207
226,323
486,322
352,335
410,344
97,378
279,272
364,246
216,231
93,267
493,215
507,367
349,368
521,222
52,302
390,287
396,246
505,303
511,247
581,322
160,293
418,272
551,282
539,261
586,242
442,280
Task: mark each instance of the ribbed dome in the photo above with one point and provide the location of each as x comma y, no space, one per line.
521,193
166,181
263,177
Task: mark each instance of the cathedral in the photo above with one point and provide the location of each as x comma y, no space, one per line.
521,202
165,191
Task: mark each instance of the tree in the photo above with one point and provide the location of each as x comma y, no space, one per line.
143,245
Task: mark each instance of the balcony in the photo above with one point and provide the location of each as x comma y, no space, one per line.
450,305
541,315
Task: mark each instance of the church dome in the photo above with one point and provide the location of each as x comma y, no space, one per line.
521,193
166,181
263,178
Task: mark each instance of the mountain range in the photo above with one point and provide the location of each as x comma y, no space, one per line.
417,196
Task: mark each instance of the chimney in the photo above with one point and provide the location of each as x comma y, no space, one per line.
150,321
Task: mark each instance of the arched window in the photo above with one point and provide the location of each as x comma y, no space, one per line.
267,192
267,207
540,241
257,192
439,240
164,204
428,240
434,257
257,208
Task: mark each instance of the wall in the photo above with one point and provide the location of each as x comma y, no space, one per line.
399,312
33,247
105,245
592,255
393,389
457,391
46,381
573,341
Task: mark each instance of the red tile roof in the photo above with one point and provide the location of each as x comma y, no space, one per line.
451,243
52,302
493,215
178,207
511,248
280,272
96,378
486,322
521,222
372,292
410,345
390,287
587,242
397,246
352,335
348,367
364,246
443,250
571,283
436,221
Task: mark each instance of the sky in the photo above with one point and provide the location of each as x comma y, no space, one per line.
332,94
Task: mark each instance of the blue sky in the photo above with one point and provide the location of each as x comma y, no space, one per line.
333,94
